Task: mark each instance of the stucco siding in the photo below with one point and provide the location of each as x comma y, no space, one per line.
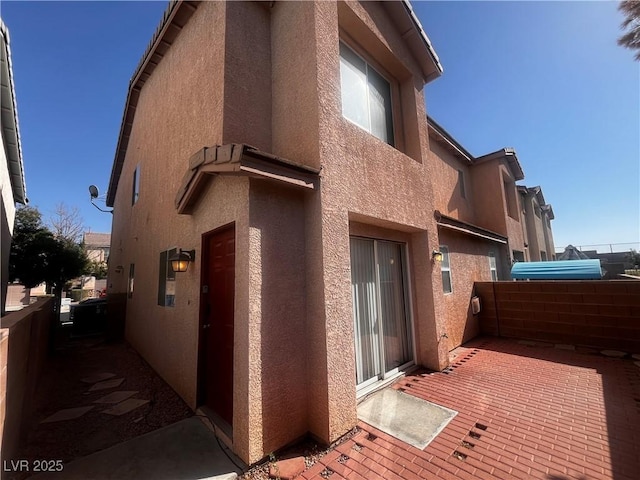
277,317
447,190
469,262
183,90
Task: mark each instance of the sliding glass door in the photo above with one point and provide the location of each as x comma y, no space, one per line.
383,341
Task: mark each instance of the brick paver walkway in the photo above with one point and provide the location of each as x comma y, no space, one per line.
524,412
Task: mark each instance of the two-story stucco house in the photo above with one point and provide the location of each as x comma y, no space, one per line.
283,149
536,222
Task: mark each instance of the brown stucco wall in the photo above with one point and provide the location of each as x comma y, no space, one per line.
469,262
600,313
488,196
277,318
294,345
183,90
364,179
446,190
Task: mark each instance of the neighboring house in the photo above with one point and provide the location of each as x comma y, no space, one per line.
12,184
97,246
285,146
536,218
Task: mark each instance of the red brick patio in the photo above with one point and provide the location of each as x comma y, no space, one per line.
524,412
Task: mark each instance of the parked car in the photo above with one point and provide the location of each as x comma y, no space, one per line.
89,317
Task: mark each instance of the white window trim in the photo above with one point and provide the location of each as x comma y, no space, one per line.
444,249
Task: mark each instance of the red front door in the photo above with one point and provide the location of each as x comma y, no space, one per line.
218,287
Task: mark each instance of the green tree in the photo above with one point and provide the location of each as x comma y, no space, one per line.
97,269
631,26
37,256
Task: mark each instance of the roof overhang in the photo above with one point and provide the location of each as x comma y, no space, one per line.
239,159
509,155
468,228
417,40
443,137
174,19
10,127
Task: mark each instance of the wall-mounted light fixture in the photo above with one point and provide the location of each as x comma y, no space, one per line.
181,260
436,255
119,269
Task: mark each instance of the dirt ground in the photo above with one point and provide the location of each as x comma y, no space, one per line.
61,387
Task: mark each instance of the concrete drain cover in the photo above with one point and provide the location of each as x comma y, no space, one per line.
405,417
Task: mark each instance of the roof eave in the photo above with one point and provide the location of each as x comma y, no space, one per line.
448,139
420,44
178,11
10,125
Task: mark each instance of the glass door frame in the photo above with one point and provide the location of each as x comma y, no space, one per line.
386,376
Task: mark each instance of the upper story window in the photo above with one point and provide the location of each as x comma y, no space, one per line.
136,185
445,267
366,95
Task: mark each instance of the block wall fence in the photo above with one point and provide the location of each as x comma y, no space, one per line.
600,313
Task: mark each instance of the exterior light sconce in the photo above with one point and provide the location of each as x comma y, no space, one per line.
436,255
181,260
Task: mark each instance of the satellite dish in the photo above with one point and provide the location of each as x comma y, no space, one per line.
93,191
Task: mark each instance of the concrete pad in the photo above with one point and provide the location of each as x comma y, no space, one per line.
107,384
125,407
67,414
116,397
98,377
410,419
184,450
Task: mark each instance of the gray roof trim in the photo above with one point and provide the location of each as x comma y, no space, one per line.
10,125
468,228
426,43
446,138
509,154
174,19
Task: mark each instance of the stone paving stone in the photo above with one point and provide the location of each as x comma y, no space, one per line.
67,414
116,397
98,377
125,407
107,384
613,353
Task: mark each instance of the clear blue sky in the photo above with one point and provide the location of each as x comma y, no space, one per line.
546,78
